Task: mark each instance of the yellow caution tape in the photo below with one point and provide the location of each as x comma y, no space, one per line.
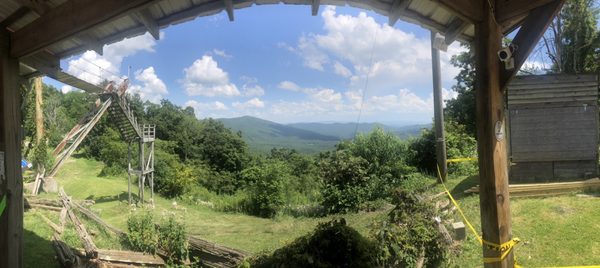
504,248
465,159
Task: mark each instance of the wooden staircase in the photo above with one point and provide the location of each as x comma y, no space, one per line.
114,101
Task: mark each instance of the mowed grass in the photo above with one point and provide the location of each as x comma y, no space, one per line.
79,177
555,231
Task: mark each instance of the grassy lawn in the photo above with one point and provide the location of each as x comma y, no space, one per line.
80,179
556,231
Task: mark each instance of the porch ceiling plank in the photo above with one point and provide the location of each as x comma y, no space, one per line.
468,10
530,33
68,19
509,9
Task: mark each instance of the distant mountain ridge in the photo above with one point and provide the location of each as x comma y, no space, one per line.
262,135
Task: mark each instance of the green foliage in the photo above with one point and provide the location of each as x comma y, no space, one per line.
409,234
462,108
42,158
347,183
142,234
266,193
459,144
173,241
573,41
362,170
332,244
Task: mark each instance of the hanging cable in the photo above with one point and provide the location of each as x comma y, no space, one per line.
366,86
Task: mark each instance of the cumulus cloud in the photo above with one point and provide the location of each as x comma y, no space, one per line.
289,85
251,88
153,89
250,104
390,57
95,68
214,109
221,53
205,78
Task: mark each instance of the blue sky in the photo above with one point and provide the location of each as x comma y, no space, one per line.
280,63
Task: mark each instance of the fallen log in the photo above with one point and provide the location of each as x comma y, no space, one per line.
90,248
92,216
45,202
53,208
546,189
213,255
117,258
65,255
56,228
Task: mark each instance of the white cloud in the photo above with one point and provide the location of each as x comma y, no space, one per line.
95,68
342,70
205,78
221,53
214,109
66,89
153,88
289,85
390,57
327,96
251,87
250,104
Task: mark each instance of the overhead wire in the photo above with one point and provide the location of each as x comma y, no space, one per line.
366,86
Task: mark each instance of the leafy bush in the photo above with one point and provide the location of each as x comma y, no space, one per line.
173,241
332,244
266,194
346,182
42,158
459,144
142,234
409,234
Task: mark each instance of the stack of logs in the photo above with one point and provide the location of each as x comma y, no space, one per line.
209,254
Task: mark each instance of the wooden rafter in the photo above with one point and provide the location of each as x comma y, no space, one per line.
145,17
229,9
15,16
398,8
314,7
530,33
509,9
468,10
60,23
456,27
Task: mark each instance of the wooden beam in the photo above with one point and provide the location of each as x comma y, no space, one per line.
15,16
145,17
11,180
531,31
509,9
315,7
491,138
91,43
39,7
456,27
229,9
468,10
68,19
438,109
397,9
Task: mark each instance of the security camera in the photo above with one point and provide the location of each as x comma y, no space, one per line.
506,55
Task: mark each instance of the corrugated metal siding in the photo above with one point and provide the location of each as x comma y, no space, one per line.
553,124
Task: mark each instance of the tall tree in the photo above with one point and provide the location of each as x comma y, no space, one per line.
462,109
572,41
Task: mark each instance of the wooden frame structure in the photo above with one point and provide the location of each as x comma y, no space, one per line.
30,44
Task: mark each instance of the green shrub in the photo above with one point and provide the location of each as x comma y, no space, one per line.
42,158
332,244
346,182
409,234
266,194
142,234
173,241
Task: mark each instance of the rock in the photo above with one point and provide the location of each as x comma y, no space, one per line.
49,185
459,230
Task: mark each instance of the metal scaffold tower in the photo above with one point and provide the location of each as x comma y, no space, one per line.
114,101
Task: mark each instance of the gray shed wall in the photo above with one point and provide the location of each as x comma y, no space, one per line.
553,128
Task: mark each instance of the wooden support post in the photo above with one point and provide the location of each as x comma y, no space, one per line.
491,137
152,174
438,109
39,113
129,171
11,180
141,179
